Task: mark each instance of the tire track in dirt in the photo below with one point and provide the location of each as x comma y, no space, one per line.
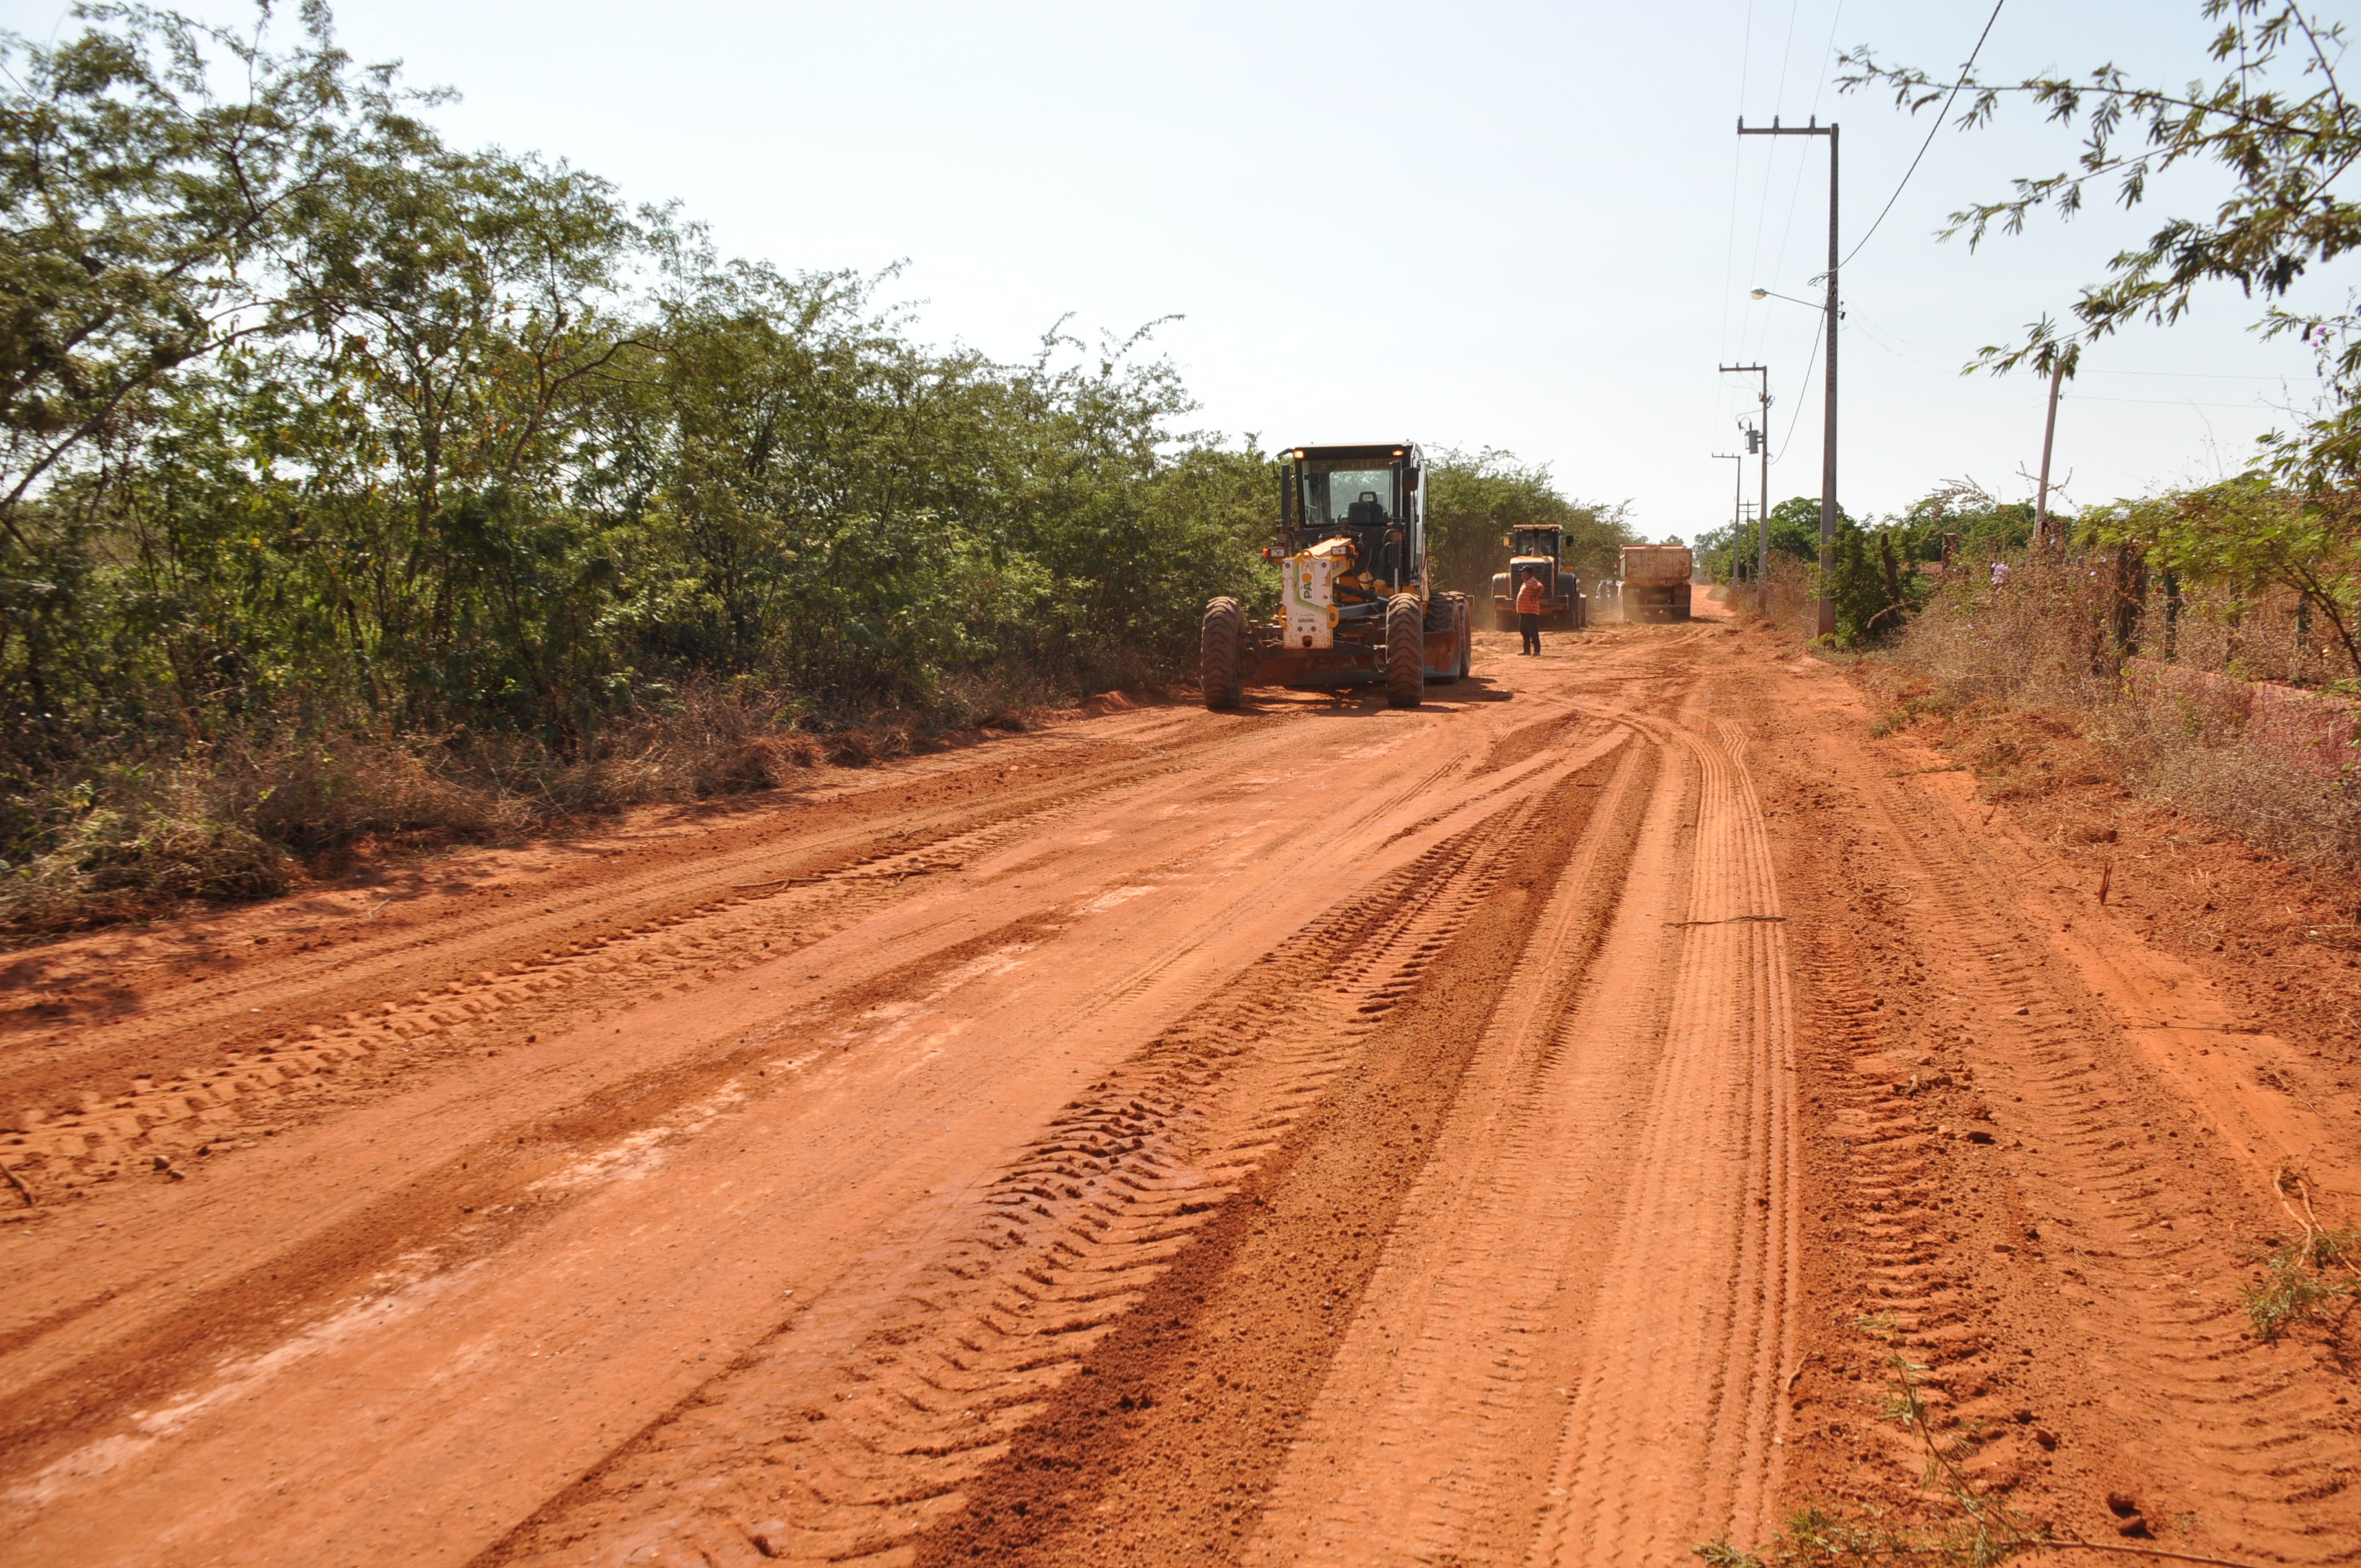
408,1231
2182,1359
1914,1288
1074,1237
842,857
92,1125
1678,1409
2119,1206
1431,1436
1162,1448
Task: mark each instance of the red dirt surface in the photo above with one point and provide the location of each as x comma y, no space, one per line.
1511,1131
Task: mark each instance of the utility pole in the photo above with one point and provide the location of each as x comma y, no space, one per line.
1760,441
1826,616
2062,362
1737,501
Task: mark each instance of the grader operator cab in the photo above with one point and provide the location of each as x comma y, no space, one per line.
1541,550
1356,604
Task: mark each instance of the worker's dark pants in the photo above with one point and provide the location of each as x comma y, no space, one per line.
1529,627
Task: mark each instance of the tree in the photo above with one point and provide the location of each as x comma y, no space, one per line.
1962,512
1795,528
142,215
2276,122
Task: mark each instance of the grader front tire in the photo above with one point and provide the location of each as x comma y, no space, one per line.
1219,650
1405,651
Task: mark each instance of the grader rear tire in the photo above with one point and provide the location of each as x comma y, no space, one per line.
1219,647
1405,651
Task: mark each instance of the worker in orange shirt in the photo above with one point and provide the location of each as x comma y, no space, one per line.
1529,611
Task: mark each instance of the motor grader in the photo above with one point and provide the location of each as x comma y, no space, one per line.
1542,550
1357,602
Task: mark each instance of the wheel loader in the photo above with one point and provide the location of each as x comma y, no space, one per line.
1357,602
1544,550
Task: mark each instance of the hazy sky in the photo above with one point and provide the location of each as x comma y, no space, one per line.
1519,226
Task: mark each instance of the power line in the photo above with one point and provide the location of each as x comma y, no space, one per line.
1771,169
1737,168
1811,359
1795,191
2186,375
1965,71
2156,402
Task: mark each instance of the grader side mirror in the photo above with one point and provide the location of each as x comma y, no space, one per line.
1506,543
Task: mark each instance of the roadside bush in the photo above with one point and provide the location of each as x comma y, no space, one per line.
378,490
2060,637
132,839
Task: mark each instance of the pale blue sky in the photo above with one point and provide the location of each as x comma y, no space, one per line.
1512,225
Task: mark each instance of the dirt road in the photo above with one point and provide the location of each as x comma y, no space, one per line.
1513,1131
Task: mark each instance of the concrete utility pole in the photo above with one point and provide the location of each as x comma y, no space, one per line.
1826,617
1760,441
1737,498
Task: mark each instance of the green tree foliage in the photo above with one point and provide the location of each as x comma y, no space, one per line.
1871,584
2275,122
310,420
1960,514
1473,498
1795,533
145,216
1796,527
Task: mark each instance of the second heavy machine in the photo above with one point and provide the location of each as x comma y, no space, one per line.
1356,603
1540,550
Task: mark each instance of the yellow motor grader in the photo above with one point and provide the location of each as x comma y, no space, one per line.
1355,603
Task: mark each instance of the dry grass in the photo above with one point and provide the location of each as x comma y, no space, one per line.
151,832
1784,599
2040,649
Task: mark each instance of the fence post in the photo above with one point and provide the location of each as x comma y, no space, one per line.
2129,572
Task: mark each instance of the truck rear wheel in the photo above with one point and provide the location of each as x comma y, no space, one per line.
1405,651
1218,653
